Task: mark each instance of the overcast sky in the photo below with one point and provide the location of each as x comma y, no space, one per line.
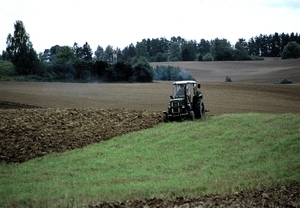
121,22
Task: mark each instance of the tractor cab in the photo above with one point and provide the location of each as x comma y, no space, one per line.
181,89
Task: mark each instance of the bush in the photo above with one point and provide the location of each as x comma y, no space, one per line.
257,58
228,79
160,57
286,81
142,73
200,57
99,68
62,71
123,71
83,70
208,57
291,50
7,68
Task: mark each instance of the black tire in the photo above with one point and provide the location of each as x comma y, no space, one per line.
199,109
192,115
165,118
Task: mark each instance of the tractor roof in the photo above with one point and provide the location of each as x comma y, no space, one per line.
184,82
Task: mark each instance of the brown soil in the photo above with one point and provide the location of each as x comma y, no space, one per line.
219,97
280,196
40,118
29,133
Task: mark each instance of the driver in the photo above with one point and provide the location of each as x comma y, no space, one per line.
181,90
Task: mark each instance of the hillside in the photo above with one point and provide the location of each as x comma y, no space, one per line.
270,70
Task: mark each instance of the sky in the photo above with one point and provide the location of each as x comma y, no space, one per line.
119,23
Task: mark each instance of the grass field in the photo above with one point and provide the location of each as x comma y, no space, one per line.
223,154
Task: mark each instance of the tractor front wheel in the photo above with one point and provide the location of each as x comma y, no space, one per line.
192,115
165,118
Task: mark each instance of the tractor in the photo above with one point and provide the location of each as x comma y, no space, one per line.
186,102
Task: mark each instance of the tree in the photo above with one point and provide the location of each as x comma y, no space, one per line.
20,50
291,50
143,72
275,45
5,56
285,38
62,64
241,50
128,52
53,51
178,40
87,52
221,50
174,52
155,46
108,53
83,53
77,50
264,45
203,47
64,54
46,56
253,47
141,50
188,52
99,53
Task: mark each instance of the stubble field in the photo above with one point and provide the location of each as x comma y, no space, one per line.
40,118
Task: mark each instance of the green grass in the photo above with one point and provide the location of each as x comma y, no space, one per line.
223,154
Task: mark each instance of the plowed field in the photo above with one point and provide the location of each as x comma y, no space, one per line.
40,118
29,133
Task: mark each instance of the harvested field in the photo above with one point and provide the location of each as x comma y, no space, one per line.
219,97
270,70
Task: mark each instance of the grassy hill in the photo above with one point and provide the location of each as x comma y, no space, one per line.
222,154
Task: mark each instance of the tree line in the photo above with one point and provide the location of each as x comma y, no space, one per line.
179,49
132,63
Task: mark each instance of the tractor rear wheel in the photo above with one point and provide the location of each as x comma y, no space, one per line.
199,109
